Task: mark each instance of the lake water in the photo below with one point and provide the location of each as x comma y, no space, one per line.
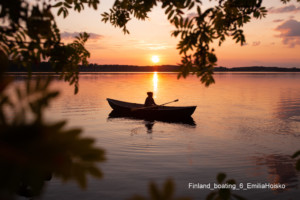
246,125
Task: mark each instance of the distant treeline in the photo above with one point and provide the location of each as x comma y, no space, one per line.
46,67
257,69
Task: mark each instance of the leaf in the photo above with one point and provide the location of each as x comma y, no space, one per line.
95,6
171,14
221,177
58,125
199,10
58,4
168,189
65,12
256,14
238,197
168,9
188,2
224,194
231,182
67,5
79,175
191,6
181,22
296,154
60,11
211,196
94,171
298,165
212,58
154,192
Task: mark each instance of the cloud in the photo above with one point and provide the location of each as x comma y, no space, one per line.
68,35
284,9
94,46
141,44
155,46
256,43
191,15
278,20
289,28
289,32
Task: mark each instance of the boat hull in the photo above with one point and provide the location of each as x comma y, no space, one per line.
160,112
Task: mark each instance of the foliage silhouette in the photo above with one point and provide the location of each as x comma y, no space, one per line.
198,32
31,150
297,155
224,193
167,192
31,33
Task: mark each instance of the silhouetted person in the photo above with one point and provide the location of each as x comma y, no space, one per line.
149,100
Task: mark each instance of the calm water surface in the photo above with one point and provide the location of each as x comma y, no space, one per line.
246,125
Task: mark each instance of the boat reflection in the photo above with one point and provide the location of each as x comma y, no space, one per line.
149,122
149,125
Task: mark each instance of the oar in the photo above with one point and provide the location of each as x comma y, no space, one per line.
168,102
135,109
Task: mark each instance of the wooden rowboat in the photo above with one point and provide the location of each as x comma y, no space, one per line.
157,112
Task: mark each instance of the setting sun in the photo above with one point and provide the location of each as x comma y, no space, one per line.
155,59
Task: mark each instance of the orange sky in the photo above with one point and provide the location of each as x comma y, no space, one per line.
272,41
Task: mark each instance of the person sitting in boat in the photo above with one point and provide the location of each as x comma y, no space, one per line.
149,100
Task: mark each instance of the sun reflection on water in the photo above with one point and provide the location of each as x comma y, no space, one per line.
155,84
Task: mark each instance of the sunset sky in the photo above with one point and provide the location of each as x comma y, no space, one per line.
272,41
